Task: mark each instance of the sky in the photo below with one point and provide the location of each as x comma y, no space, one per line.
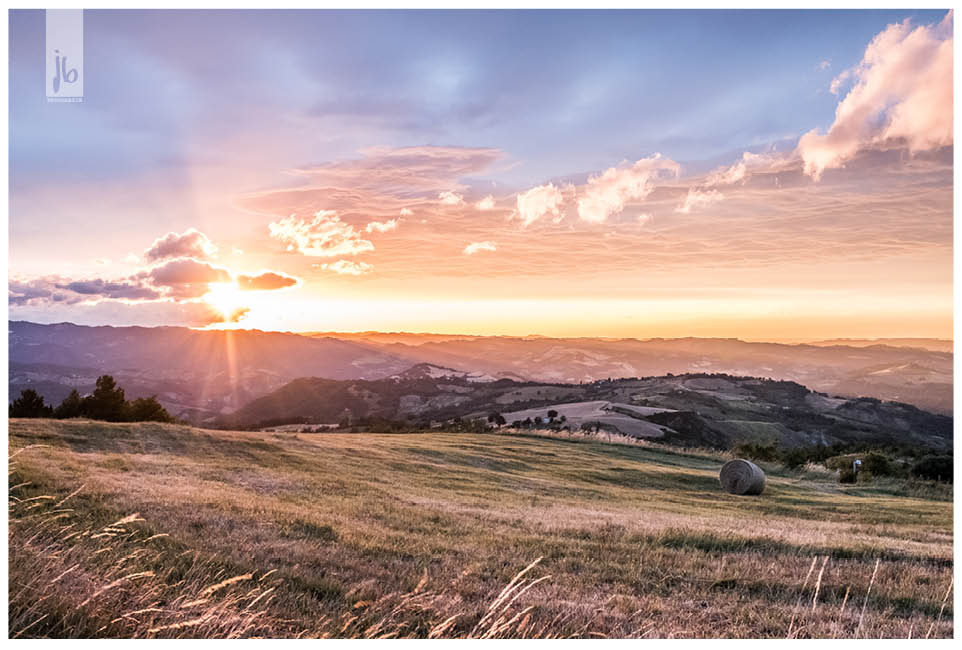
752,174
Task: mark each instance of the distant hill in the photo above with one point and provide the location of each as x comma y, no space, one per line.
935,345
691,409
839,369
195,373
201,374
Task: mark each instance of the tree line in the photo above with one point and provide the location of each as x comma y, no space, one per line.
107,402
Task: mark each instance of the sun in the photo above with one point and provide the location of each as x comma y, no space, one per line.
226,298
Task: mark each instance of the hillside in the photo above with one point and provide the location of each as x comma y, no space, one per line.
195,374
248,534
852,371
704,410
199,375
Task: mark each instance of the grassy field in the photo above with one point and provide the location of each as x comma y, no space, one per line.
167,531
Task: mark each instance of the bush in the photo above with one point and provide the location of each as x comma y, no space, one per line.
934,468
756,450
847,476
877,464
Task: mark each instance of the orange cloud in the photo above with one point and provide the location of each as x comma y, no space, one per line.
477,247
323,236
347,267
265,281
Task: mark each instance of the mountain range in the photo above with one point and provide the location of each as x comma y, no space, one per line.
201,375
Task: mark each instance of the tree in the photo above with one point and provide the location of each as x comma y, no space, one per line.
107,401
497,419
30,405
552,414
71,407
148,409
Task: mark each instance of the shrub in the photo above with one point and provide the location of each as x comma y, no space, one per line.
756,450
934,468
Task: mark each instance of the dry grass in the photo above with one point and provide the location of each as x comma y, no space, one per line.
423,535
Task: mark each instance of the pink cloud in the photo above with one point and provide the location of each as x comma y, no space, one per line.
190,243
698,197
608,193
901,96
539,202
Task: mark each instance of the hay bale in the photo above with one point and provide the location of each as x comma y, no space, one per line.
742,477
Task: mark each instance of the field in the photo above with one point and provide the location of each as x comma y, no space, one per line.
152,530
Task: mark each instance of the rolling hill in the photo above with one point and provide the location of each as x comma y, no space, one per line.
196,374
702,410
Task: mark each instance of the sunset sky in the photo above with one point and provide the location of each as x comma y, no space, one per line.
740,174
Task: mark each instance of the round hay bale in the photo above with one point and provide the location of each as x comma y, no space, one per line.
742,477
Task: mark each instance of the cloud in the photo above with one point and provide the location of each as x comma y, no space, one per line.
23,291
190,243
608,193
323,236
450,198
407,212
698,198
382,226
476,247
124,290
485,204
644,218
901,96
824,64
538,202
740,171
346,267
187,271
233,317
265,281
392,169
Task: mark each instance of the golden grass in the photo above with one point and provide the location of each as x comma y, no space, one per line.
165,531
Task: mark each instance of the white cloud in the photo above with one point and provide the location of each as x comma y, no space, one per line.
450,198
697,198
323,236
825,64
485,204
407,212
740,171
190,243
608,193
476,247
382,226
644,218
538,202
901,96
346,267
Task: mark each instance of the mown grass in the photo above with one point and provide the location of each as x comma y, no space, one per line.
419,534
